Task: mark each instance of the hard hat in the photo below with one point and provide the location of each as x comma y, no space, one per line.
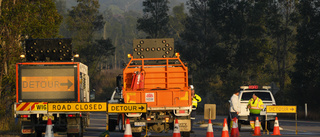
191,86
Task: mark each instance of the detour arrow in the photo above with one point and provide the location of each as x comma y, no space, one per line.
127,108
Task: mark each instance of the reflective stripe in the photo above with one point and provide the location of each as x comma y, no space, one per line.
256,106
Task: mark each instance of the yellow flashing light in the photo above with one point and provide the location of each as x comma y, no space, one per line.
177,54
76,55
129,56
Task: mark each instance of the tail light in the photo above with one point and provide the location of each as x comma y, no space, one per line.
24,116
71,115
167,119
148,119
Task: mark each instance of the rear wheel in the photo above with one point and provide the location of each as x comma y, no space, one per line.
112,124
121,125
136,134
186,134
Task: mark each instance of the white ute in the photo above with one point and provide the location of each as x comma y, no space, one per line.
265,95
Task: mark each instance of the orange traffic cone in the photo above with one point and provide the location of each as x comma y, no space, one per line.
235,130
210,129
49,129
176,131
225,132
276,130
257,131
128,132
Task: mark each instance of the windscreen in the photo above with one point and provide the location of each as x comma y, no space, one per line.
265,96
48,82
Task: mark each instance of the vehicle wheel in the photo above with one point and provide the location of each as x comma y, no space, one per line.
270,125
136,134
29,135
112,124
121,126
186,134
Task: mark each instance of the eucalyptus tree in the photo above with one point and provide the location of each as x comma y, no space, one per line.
155,18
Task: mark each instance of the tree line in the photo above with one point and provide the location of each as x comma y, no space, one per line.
244,42
226,44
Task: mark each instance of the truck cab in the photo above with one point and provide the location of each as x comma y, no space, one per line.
265,95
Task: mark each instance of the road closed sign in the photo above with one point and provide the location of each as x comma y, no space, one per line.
281,109
127,108
77,107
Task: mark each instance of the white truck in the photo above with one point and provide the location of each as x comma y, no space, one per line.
265,95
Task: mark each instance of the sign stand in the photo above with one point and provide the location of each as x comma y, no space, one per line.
282,109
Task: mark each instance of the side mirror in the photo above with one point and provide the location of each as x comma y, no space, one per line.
92,96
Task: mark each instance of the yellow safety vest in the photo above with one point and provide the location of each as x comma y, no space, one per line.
256,105
195,100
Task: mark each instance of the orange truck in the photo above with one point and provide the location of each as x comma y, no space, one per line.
42,80
155,75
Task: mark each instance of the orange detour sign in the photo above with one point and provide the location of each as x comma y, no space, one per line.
48,84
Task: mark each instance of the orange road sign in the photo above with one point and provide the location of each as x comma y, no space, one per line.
127,108
281,109
77,107
47,83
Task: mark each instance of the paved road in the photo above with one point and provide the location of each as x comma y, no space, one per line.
305,128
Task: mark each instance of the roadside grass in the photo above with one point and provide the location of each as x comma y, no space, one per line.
9,125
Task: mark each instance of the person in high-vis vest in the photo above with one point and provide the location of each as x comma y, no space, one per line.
195,99
255,106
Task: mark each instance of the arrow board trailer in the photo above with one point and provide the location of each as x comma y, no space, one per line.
40,83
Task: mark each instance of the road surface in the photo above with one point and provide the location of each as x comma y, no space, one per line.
288,129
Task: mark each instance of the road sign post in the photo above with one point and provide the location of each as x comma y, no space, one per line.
282,109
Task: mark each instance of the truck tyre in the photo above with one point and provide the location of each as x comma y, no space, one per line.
136,134
186,134
112,124
121,125
38,133
29,135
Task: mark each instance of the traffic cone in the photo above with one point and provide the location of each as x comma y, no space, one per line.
49,129
128,132
257,131
210,129
176,131
276,130
225,132
235,130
